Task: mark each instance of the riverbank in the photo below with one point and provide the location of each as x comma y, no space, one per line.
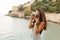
53,18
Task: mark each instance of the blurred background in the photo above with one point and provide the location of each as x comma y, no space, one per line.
6,5
15,15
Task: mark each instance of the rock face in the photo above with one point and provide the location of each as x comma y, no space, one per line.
15,13
28,4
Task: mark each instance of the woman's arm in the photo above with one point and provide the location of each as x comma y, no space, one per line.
39,28
30,22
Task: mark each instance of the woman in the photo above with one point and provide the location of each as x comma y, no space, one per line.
38,23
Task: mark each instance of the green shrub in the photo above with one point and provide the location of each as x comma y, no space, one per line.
47,6
51,9
27,11
58,9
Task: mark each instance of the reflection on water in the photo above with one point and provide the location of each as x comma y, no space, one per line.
17,29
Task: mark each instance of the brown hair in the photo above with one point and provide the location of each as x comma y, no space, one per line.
42,16
40,10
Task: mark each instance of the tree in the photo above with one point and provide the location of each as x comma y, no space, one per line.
27,11
20,8
58,6
47,5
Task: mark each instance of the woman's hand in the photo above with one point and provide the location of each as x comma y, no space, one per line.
36,31
30,23
37,20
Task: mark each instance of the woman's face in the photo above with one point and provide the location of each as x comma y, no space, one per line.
37,12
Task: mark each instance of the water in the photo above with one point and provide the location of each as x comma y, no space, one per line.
17,29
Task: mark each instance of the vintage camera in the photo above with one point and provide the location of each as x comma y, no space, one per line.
35,15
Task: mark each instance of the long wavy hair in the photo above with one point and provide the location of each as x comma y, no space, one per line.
42,15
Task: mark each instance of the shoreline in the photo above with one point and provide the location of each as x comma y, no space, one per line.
53,21
49,17
53,18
